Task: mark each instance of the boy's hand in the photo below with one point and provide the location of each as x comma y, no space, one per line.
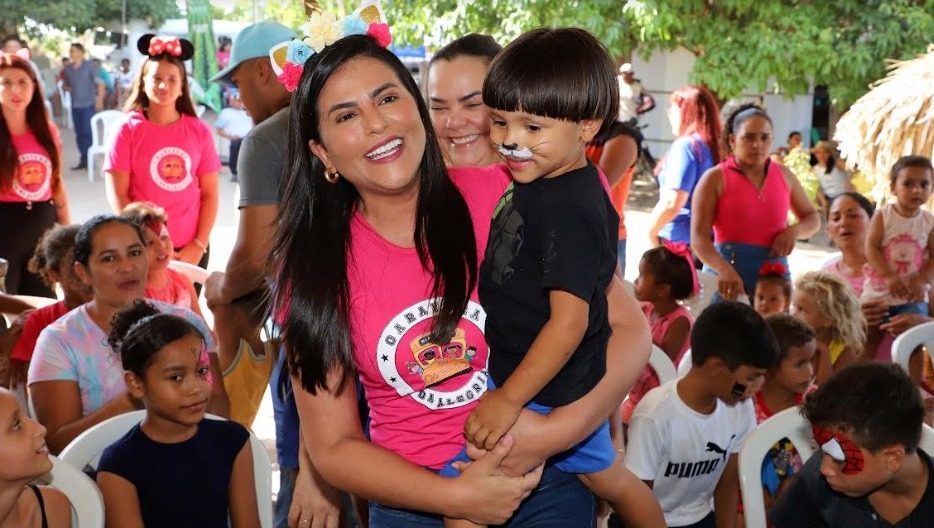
492,418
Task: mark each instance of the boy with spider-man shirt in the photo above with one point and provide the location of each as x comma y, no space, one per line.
869,472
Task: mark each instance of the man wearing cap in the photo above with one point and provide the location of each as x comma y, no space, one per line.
633,99
259,170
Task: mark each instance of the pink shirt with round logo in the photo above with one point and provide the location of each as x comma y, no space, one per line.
419,393
165,165
33,180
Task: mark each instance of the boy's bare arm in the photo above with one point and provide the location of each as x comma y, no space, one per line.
726,494
551,350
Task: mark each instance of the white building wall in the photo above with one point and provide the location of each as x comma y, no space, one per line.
663,73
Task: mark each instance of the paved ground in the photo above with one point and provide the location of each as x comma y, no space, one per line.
87,198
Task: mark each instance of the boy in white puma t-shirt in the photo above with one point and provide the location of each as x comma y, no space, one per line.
685,436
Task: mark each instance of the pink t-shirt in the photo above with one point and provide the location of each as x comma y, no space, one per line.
165,165
648,380
419,393
748,215
33,180
177,292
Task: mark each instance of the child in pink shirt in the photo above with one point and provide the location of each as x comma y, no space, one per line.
666,276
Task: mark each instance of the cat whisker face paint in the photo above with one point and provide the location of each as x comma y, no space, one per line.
512,150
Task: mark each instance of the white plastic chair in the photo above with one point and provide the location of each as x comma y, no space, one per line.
662,365
195,274
909,340
103,126
87,503
786,424
707,283
65,98
685,364
85,451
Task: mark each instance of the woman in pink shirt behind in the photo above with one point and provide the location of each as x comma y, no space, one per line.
32,193
744,202
163,153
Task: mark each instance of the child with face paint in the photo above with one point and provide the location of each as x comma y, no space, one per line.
176,467
784,387
685,436
869,471
551,253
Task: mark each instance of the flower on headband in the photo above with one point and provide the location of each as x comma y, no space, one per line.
773,268
323,29
290,76
298,52
169,45
380,32
354,25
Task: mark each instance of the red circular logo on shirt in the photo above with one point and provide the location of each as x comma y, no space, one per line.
436,376
170,169
33,176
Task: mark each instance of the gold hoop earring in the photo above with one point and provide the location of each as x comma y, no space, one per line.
331,176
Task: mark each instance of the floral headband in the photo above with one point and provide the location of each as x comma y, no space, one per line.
154,46
682,250
322,30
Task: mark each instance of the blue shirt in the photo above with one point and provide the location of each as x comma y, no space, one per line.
83,82
685,163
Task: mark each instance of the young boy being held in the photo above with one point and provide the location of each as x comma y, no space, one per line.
784,387
685,436
551,252
869,472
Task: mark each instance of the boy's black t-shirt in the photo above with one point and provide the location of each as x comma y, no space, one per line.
551,234
809,502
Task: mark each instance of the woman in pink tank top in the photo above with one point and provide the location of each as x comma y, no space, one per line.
744,202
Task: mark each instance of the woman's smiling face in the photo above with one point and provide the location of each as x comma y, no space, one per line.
460,119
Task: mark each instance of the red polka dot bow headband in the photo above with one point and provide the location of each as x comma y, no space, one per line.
154,46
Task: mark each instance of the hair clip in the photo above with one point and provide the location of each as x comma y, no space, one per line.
682,250
154,46
322,30
773,268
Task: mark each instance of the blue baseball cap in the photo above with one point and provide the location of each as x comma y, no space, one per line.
253,42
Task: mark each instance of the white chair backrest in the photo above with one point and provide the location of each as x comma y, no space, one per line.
707,282
194,273
85,451
904,344
103,126
832,258
87,504
786,424
662,365
791,425
685,364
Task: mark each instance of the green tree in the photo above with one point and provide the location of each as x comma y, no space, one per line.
766,44
81,15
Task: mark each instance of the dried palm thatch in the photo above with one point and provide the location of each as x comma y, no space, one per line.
894,119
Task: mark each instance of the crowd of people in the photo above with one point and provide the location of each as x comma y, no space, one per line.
440,279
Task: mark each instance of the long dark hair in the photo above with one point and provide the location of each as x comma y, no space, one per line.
138,100
37,119
309,258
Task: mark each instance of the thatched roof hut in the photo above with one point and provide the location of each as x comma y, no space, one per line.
894,119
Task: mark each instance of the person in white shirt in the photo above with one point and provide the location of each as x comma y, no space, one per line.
633,98
685,436
233,123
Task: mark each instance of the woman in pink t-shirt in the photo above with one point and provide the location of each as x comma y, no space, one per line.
744,202
32,194
377,252
163,153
